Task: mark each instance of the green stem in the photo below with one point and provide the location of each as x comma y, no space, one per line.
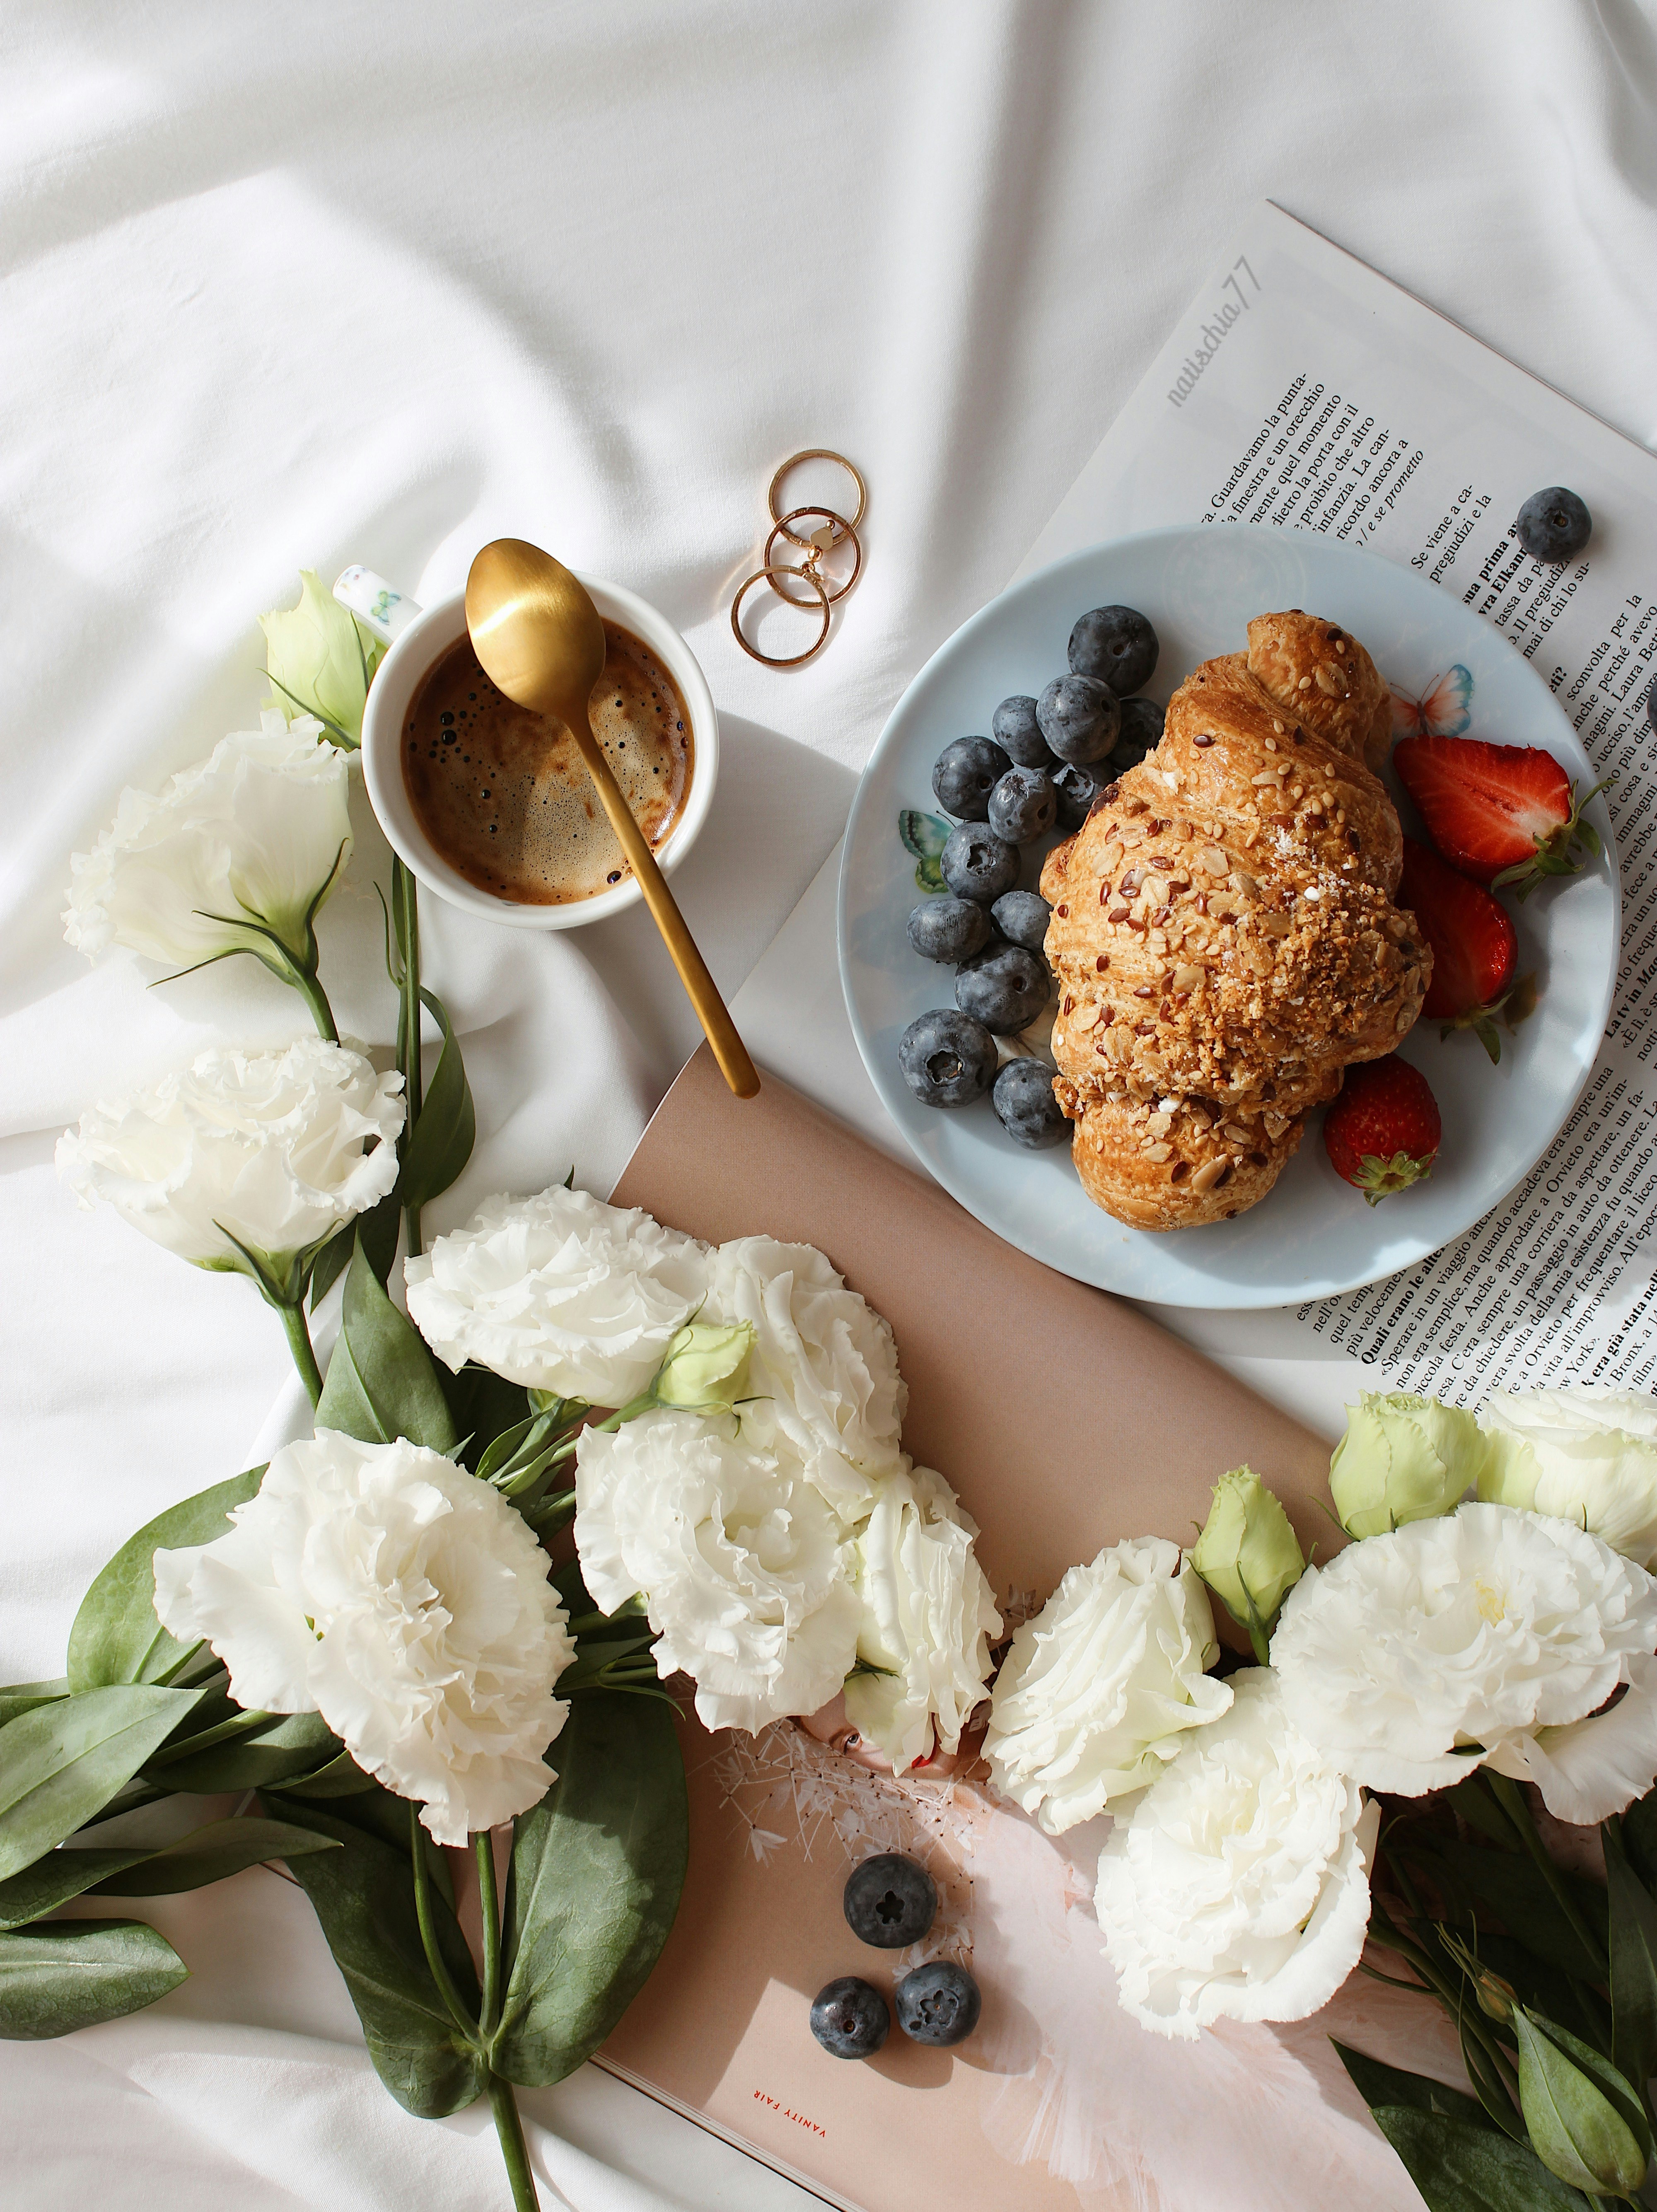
422,1887
310,989
405,891
1511,1798
490,1905
299,1343
513,2149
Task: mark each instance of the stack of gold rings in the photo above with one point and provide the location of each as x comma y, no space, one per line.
832,530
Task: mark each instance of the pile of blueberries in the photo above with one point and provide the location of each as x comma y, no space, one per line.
1040,770
890,1902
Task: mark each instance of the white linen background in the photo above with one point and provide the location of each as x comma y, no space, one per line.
307,284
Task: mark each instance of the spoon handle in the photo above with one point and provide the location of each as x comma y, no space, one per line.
700,989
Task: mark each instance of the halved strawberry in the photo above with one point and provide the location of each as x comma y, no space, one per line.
1475,950
1502,814
1382,1134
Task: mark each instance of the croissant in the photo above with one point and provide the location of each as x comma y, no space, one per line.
1223,938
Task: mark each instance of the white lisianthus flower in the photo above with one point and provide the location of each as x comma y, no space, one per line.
236,855
1238,1887
320,657
741,1563
1413,1656
1590,1769
272,1152
408,1604
928,1619
1097,1692
560,1292
1589,1455
822,1378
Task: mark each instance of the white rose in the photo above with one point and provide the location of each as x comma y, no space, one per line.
257,834
740,1561
559,1292
1589,1455
824,1376
928,1619
1095,1692
408,1604
269,1149
1238,1887
1410,1651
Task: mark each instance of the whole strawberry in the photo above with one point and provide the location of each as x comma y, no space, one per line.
1475,950
1502,814
1383,1133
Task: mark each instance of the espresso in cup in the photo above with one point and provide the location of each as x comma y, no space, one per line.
504,796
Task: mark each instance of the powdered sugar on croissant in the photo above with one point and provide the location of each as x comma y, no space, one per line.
1223,935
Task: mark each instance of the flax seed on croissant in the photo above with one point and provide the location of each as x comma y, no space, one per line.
1223,936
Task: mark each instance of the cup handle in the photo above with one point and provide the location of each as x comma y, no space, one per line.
378,605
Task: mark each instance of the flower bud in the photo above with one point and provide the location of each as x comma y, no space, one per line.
1248,1554
320,658
1403,1459
1586,2123
705,1368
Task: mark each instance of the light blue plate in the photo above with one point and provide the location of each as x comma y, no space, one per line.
1312,1236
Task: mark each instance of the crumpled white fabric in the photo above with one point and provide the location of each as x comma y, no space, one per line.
341,285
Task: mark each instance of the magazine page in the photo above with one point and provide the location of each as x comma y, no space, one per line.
1304,391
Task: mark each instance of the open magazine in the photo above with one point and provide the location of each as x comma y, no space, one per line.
1303,390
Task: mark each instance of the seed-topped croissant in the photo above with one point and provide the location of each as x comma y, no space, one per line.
1223,936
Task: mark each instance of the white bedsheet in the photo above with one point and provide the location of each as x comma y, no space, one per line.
313,284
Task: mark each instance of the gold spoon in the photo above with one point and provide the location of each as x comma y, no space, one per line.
540,638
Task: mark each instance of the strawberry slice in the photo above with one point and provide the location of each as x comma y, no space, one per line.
1382,1134
1502,814
1475,950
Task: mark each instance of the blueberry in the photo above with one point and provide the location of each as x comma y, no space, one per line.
849,2018
949,929
1013,726
1141,733
1022,807
889,1901
1077,791
1003,987
947,1058
1117,645
1029,1112
1022,918
1079,718
937,2004
1553,524
967,773
977,865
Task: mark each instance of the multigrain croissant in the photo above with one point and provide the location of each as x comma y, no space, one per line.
1223,937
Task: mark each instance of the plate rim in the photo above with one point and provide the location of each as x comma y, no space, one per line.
1232,1297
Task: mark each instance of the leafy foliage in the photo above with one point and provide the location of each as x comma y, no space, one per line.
75,1973
62,1763
116,1636
381,1383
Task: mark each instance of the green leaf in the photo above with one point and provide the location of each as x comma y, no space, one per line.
208,1854
1379,2084
482,1407
285,1745
1633,1963
381,1381
447,1128
1514,1889
923,834
363,1896
53,1880
77,1972
340,1778
1586,2123
116,1636
24,1697
376,1812
62,1763
596,1870
1461,2168
330,1263
1638,1828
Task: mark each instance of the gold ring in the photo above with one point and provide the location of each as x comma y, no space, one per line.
817,454
836,529
768,575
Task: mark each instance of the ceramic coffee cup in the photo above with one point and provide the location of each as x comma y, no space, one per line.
417,637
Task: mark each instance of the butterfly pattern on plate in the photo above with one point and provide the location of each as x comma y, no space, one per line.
1443,710
926,836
